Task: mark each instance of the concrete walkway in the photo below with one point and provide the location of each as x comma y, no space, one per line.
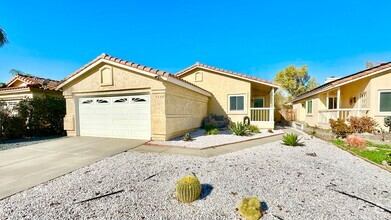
25,167
211,152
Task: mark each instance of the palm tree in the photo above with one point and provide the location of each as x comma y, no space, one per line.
3,38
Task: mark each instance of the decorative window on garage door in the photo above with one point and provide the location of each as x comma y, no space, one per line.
87,102
138,100
102,101
120,100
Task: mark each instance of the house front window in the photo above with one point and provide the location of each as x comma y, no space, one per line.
309,107
385,101
332,103
236,102
259,103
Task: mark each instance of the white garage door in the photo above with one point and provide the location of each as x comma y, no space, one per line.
118,117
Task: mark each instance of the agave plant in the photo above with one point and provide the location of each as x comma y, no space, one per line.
292,140
239,129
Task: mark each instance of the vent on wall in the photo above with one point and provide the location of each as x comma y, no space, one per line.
106,76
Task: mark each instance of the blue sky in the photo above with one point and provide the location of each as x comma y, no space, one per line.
54,38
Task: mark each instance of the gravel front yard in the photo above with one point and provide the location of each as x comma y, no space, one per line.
5,145
293,185
200,140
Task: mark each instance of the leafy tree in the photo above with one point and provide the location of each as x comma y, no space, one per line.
281,99
3,38
295,81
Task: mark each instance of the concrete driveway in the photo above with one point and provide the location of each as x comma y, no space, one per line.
25,167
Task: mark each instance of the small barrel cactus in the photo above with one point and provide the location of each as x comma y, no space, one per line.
188,189
250,208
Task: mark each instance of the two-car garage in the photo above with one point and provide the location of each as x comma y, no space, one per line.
125,116
115,98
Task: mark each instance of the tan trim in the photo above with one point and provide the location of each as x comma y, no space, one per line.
169,79
227,74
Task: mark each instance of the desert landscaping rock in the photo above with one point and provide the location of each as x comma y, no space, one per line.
291,184
200,140
5,145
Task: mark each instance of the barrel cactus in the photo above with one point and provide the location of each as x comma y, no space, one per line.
250,208
188,189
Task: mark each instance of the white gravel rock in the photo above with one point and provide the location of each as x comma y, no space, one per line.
292,184
200,140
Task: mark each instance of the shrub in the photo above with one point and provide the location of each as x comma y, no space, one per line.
187,137
239,128
43,115
188,189
11,126
356,142
250,208
211,129
340,128
387,123
388,160
291,140
362,124
313,132
253,128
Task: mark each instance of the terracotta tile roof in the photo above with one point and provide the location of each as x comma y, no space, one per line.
131,64
13,88
33,81
345,79
224,71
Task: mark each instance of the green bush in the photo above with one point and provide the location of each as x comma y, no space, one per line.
43,115
211,129
291,140
239,128
11,126
340,128
253,128
187,137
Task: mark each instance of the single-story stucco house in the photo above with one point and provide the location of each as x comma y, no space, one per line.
111,97
365,93
26,86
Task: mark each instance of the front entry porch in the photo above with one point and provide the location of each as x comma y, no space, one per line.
261,115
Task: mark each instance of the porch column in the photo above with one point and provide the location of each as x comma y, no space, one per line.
338,101
338,98
271,105
327,100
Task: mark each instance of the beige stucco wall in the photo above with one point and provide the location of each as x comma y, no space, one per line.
185,110
377,84
20,94
169,117
221,87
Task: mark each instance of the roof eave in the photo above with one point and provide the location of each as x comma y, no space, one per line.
331,86
96,62
183,72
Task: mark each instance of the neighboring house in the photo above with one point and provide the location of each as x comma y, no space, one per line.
25,86
111,97
366,93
